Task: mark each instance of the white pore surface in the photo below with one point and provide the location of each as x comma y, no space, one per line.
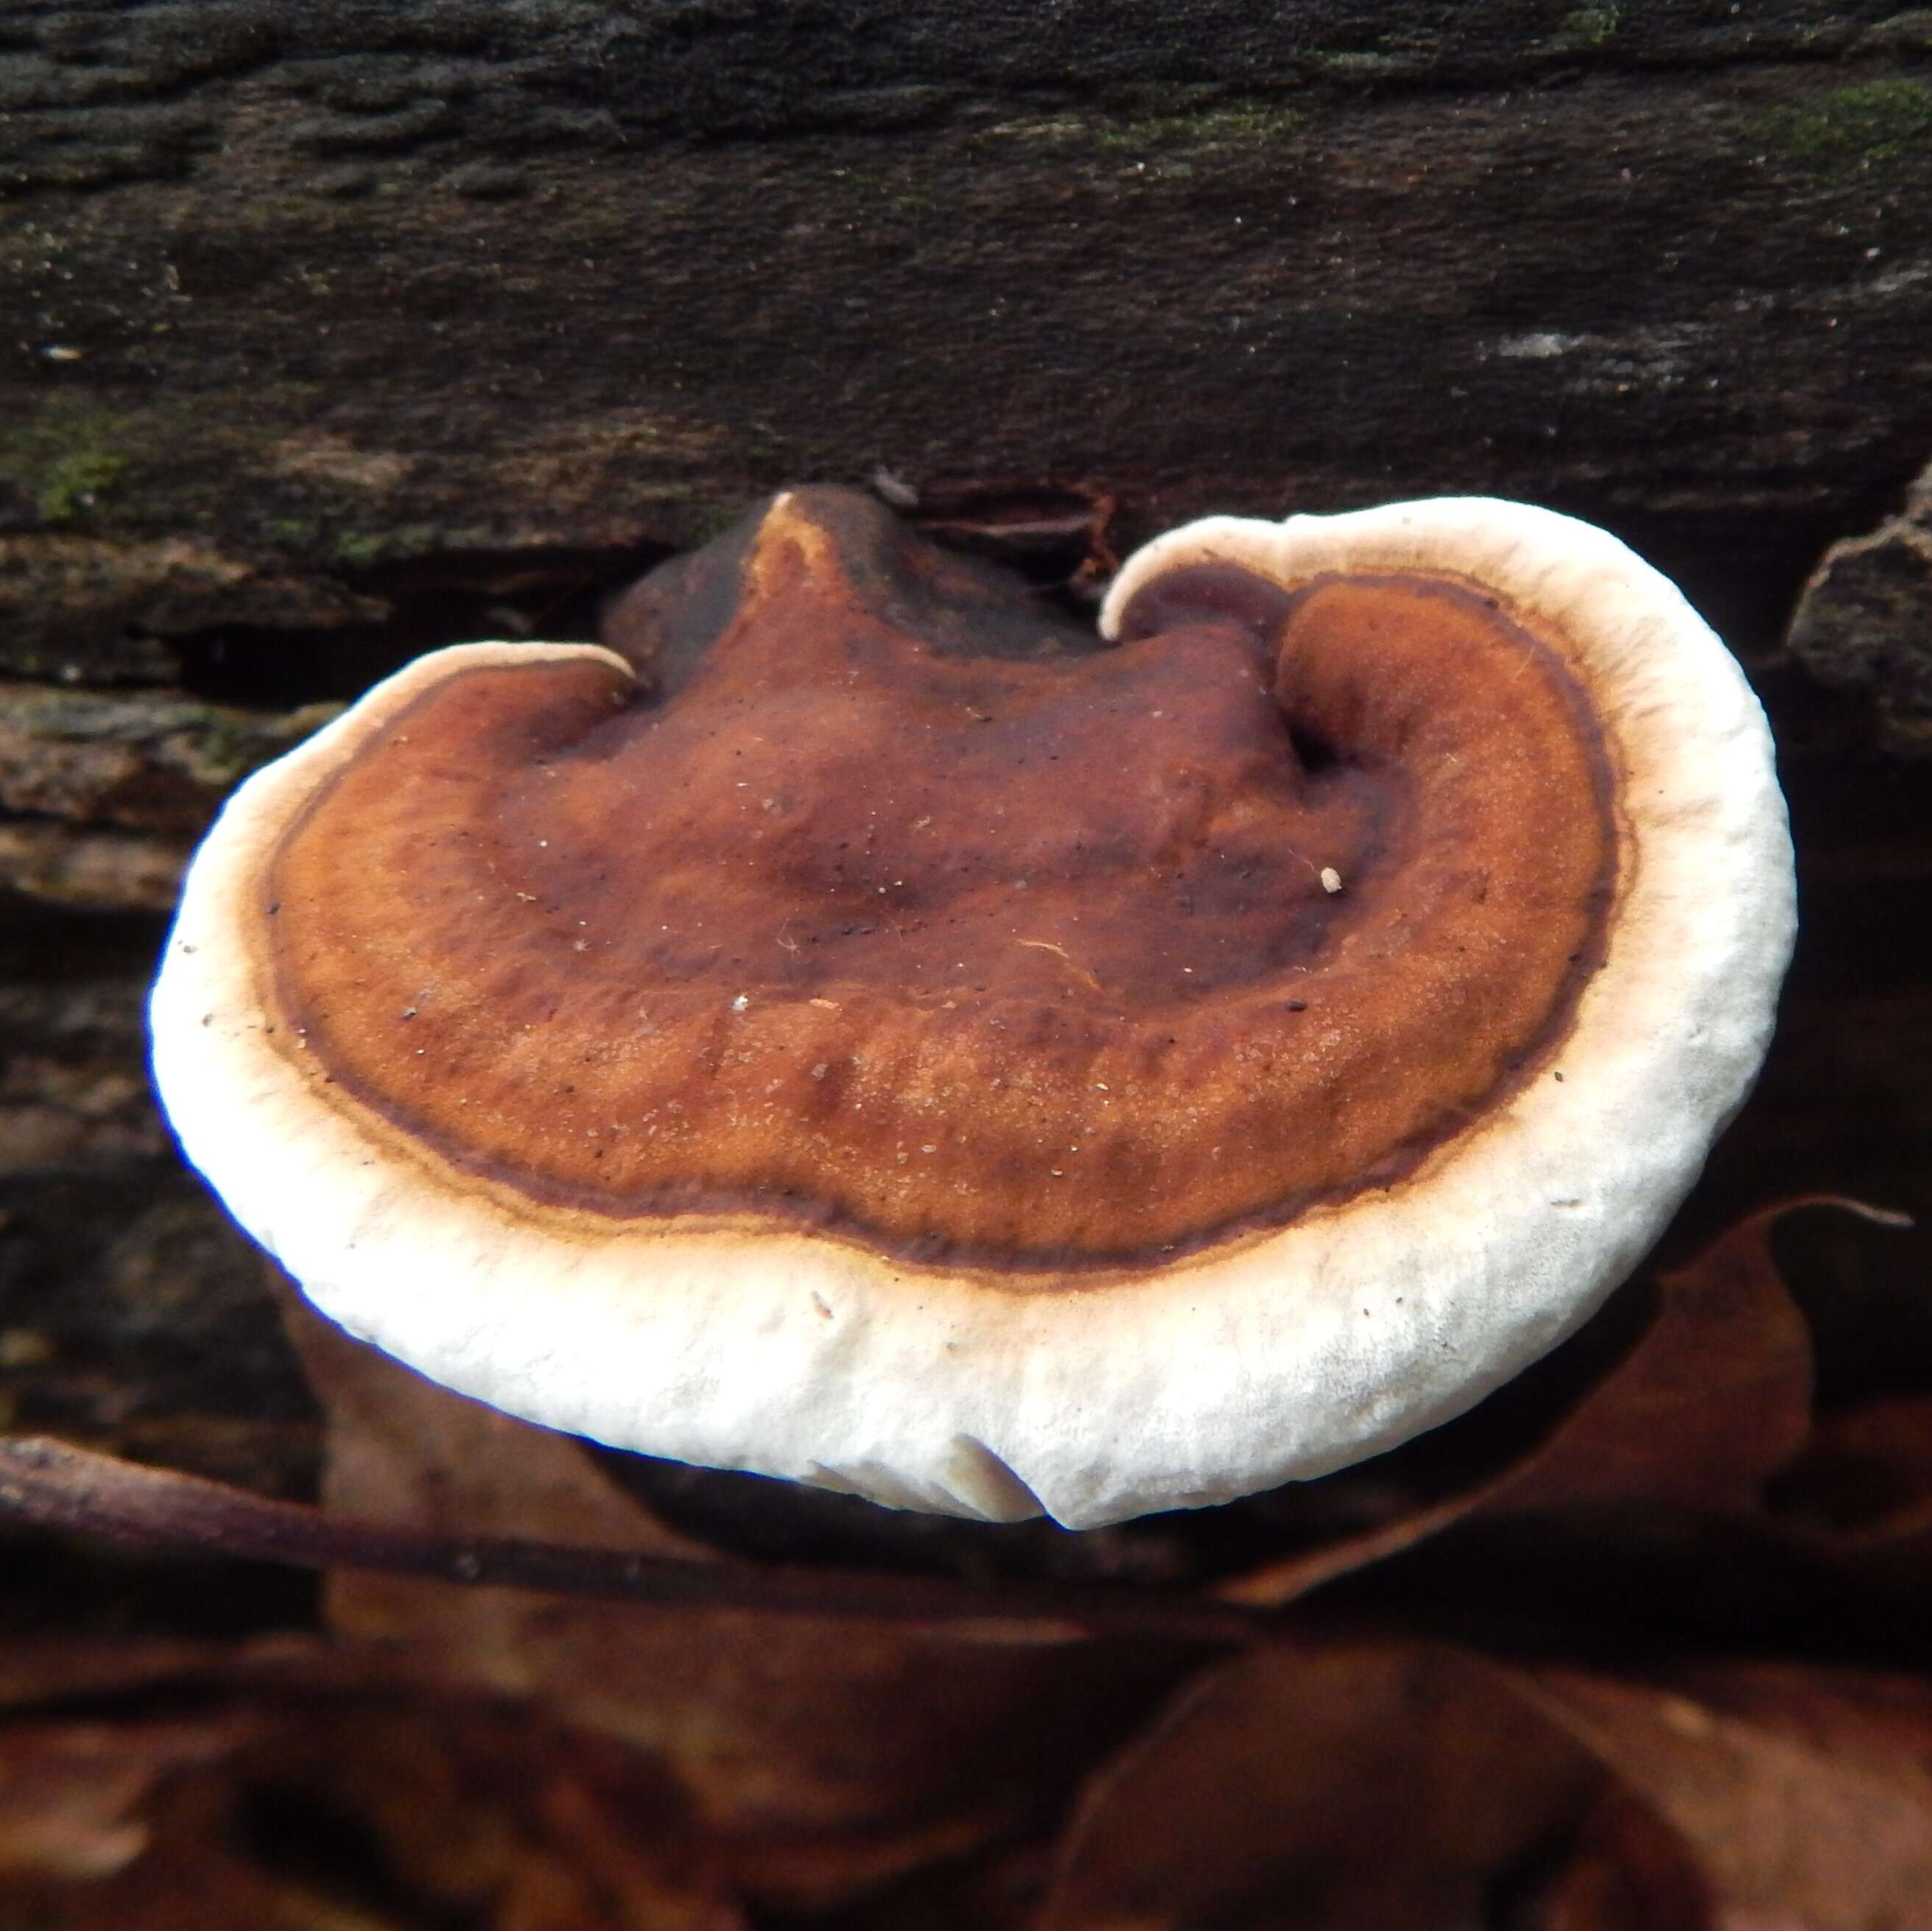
1275,1357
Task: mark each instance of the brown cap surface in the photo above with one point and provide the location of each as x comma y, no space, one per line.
863,930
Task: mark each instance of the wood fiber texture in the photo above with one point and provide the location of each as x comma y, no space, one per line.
331,286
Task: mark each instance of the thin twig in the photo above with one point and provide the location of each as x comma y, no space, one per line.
50,1484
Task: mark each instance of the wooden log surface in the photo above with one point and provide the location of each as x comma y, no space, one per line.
312,291
337,331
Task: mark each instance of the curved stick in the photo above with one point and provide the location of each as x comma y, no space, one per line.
50,1484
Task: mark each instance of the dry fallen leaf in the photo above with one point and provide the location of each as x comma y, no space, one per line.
1399,1785
316,1790
830,1756
1711,1400
1798,1801
73,1792
1358,1786
1866,1473
506,1760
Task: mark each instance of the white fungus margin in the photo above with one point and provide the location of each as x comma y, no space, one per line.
1275,1356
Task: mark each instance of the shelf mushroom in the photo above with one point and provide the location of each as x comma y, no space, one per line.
861,1029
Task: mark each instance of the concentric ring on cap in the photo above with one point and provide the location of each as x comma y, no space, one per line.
1304,1013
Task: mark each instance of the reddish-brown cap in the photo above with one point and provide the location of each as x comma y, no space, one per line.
863,1030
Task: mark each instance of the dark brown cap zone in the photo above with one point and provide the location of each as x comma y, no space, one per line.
863,952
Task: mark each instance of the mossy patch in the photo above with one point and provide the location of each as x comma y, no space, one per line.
64,465
1870,123
1592,26
224,746
1911,30
300,534
1237,124
357,549
1168,138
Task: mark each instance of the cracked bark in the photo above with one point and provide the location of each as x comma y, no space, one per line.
1864,622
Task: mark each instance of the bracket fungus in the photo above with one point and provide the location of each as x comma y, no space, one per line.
861,1030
